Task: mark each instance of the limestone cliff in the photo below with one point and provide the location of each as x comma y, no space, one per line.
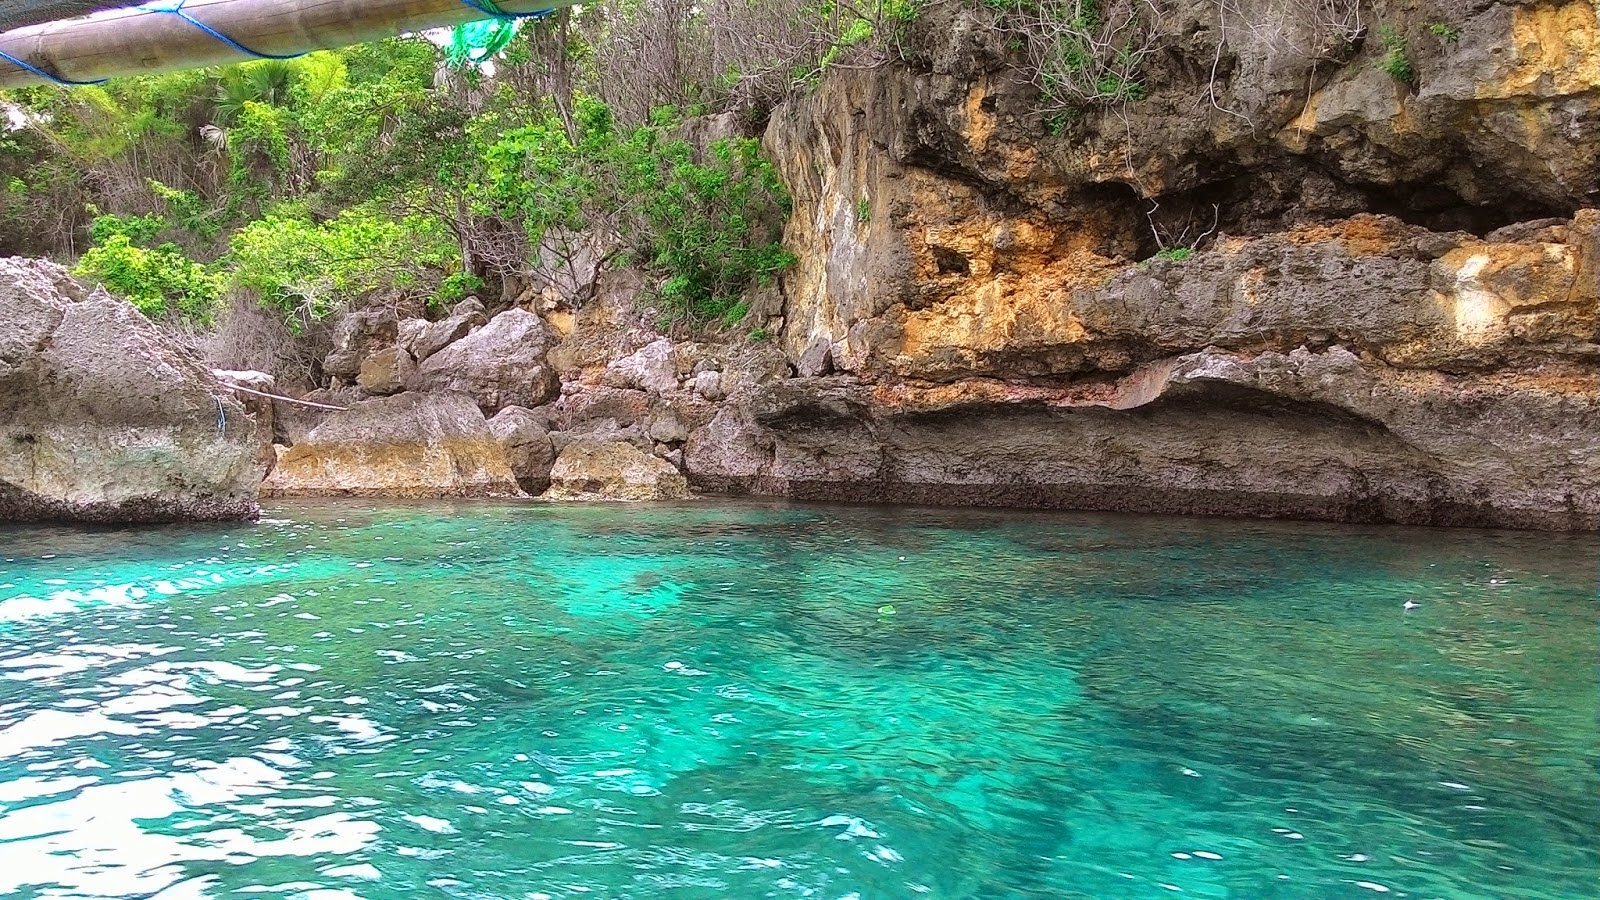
1391,314
1286,277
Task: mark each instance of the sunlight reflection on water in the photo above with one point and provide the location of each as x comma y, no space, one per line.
715,701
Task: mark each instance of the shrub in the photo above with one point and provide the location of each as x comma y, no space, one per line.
1393,62
713,227
306,270
1080,53
709,224
161,282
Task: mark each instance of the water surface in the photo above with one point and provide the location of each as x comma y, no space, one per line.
506,701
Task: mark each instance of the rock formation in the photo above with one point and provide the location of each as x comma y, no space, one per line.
501,364
590,469
413,445
524,435
103,419
1281,278
966,276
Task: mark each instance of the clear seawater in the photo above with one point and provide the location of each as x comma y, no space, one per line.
686,701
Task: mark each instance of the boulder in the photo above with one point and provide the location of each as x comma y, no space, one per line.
667,427
386,372
653,367
259,407
407,446
424,339
752,366
524,435
585,409
292,421
817,360
105,419
342,364
612,470
709,385
729,453
501,364
606,431
359,333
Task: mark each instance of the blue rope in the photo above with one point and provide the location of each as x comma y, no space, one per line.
177,10
487,7
490,9
47,76
222,417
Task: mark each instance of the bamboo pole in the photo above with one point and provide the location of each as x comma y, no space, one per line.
135,41
17,13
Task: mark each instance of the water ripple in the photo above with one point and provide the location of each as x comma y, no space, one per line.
514,701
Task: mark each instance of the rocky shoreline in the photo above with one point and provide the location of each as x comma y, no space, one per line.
1328,295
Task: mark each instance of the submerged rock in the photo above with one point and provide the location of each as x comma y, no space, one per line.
408,446
591,469
104,419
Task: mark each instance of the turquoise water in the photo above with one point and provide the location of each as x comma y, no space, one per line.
509,701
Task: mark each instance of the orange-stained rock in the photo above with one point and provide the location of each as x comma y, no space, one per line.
590,469
411,445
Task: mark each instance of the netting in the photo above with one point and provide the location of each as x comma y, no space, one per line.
475,42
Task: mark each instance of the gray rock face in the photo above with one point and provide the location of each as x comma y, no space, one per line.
103,419
817,360
358,334
501,364
730,454
424,339
650,368
709,385
292,421
591,469
411,445
386,372
260,408
524,435
1306,434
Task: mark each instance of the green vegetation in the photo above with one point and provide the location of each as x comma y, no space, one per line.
1394,62
306,269
1445,32
863,211
161,282
380,173
1177,253
1078,54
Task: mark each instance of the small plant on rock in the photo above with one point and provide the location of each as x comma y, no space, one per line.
1394,62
